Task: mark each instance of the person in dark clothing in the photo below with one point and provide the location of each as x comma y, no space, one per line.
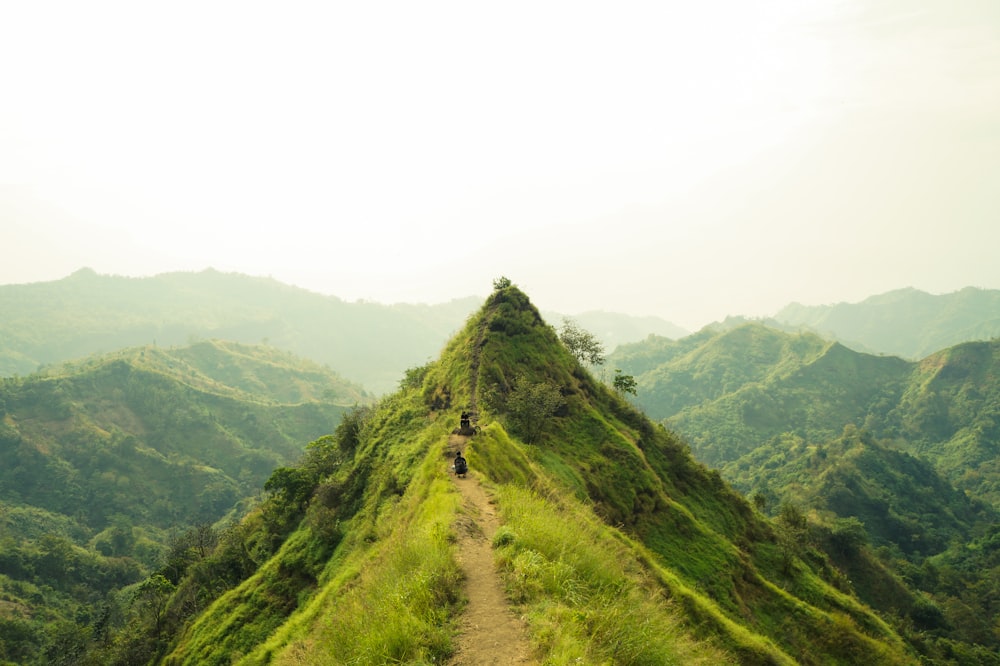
461,466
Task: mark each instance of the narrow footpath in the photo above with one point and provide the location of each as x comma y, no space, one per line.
489,632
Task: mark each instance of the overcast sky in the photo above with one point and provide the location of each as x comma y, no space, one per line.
682,159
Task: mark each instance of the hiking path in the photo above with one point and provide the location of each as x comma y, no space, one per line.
489,632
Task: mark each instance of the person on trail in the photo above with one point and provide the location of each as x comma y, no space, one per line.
461,466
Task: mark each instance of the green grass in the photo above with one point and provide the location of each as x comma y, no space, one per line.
400,606
586,600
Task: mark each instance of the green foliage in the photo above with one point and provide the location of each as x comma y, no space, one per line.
141,444
582,344
527,405
615,544
623,383
293,484
501,283
414,377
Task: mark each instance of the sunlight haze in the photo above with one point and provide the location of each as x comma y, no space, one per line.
684,160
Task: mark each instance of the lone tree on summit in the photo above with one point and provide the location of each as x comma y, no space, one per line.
582,344
501,283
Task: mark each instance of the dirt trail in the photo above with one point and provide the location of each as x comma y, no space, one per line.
489,633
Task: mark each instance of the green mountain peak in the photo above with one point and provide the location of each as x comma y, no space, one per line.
612,544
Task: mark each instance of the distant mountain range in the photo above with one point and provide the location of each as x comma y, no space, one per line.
906,322
374,344
368,343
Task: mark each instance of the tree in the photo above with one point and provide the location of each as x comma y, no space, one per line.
528,405
624,383
501,283
848,535
151,599
293,484
582,344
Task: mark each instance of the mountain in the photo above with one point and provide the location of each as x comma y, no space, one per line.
612,544
729,391
107,459
906,322
369,343
941,541
904,449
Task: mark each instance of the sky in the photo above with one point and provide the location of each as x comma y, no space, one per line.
688,160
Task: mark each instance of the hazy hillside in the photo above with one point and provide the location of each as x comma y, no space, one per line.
905,449
906,322
613,544
731,390
85,313
107,460
369,343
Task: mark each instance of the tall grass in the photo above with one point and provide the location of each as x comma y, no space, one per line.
586,600
399,609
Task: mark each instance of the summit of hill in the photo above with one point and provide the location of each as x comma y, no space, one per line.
611,543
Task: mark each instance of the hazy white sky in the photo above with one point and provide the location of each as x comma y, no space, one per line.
683,159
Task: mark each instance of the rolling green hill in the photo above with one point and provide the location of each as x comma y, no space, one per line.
107,460
730,391
614,545
905,449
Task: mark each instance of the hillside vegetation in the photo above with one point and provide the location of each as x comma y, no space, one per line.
107,461
897,457
731,391
614,544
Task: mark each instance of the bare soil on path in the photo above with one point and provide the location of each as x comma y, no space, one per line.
489,632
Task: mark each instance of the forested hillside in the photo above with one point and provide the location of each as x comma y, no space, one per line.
730,391
614,544
107,461
906,450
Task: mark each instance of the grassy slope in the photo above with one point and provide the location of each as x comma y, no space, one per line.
674,567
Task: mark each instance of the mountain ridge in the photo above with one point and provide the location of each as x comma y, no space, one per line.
669,546
905,322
